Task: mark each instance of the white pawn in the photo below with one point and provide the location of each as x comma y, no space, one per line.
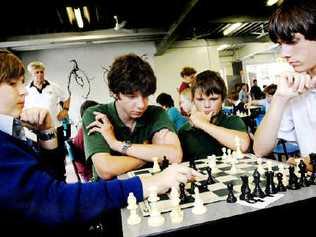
133,218
155,219
156,167
199,207
224,150
229,153
233,169
212,163
176,214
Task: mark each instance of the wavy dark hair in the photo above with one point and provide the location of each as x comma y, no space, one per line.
293,16
11,67
130,73
209,82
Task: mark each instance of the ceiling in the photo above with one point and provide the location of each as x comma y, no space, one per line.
27,22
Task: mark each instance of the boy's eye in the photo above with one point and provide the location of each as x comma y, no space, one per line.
13,83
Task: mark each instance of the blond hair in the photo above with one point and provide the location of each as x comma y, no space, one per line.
35,65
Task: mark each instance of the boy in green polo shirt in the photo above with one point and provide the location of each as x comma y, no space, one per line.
210,129
125,135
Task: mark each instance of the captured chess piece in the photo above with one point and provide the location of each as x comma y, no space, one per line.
280,186
133,218
293,180
230,196
303,180
164,163
257,192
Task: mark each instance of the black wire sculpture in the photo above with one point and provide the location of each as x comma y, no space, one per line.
80,77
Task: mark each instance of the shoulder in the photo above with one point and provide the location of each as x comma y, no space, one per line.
88,114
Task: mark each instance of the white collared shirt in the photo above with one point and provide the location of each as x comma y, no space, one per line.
298,123
6,124
49,99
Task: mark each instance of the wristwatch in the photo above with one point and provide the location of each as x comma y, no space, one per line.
125,146
47,135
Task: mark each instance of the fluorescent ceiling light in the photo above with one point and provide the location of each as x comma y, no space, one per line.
78,17
271,2
223,46
232,28
86,13
70,14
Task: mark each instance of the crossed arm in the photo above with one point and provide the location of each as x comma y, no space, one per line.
164,143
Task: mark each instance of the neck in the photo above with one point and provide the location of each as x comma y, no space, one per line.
125,118
39,85
312,73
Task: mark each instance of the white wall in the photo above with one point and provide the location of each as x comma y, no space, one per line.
91,59
194,53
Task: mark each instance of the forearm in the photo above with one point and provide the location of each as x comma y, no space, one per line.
227,136
108,166
267,133
147,151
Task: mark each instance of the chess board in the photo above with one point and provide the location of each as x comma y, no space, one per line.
222,175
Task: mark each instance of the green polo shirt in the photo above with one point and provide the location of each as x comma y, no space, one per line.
154,119
197,144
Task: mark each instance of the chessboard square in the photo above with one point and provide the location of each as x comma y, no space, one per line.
225,168
208,197
224,165
234,182
226,178
164,206
199,162
219,174
216,186
222,192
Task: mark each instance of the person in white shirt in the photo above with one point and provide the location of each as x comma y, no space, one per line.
45,94
292,113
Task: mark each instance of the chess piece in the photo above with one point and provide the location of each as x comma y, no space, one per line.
257,192
245,190
224,155
184,198
230,196
270,186
176,214
165,163
269,162
155,219
212,163
312,179
192,164
156,167
302,170
198,206
210,178
280,186
233,169
239,154
293,180
133,218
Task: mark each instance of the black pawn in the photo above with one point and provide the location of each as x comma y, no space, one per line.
280,186
182,195
303,180
312,158
210,178
192,188
231,197
165,163
257,192
293,180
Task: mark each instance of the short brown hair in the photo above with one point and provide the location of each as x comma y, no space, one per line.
271,89
11,67
187,71
209,82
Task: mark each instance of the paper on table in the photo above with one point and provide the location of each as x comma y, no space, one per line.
264,204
